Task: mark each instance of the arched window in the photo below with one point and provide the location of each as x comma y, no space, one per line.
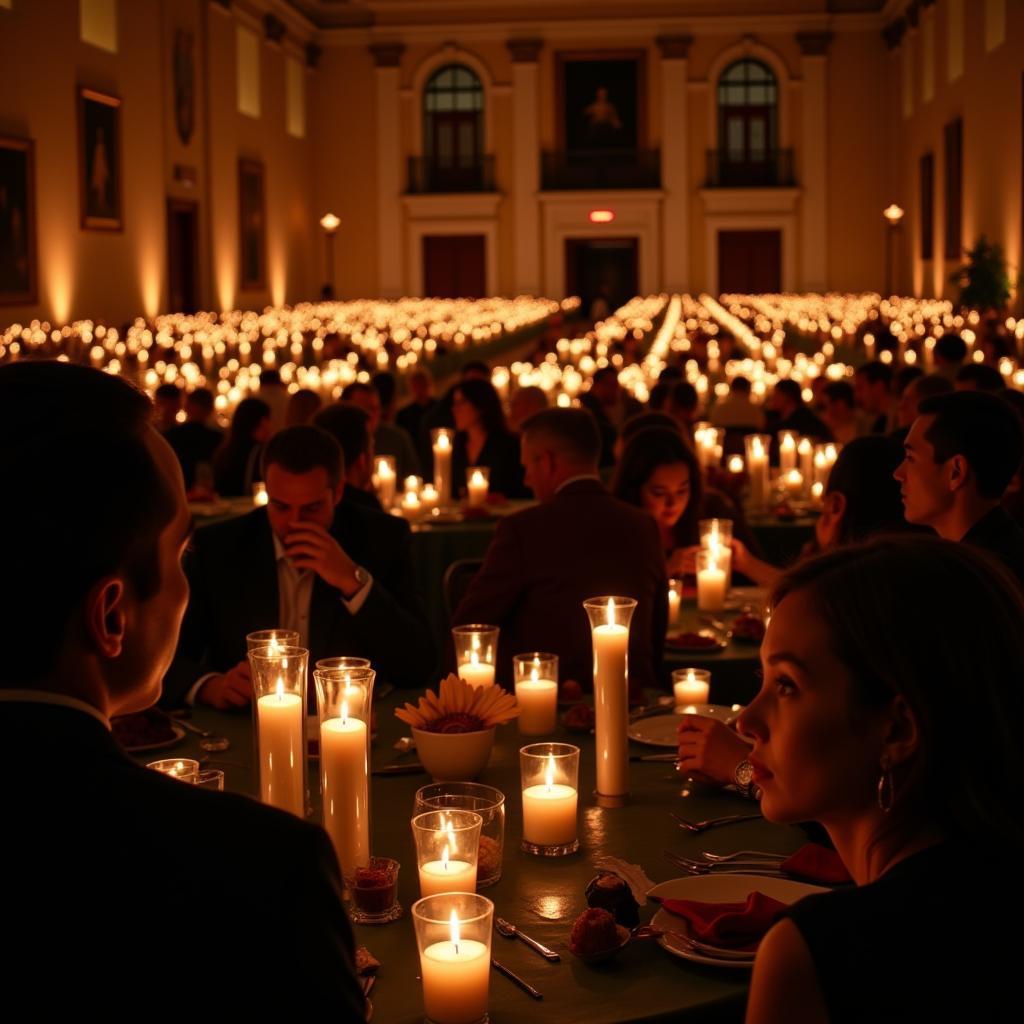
453,105
748,98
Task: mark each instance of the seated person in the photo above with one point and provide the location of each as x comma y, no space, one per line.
949,354
195,441
410,417
787,411
166,406
961,454
861,725
103,854
578,543
350,427
916,391
236,464
979,377
525,402
482,439
872,385
337,573
388,439
737,410
839,412
302,406
611,406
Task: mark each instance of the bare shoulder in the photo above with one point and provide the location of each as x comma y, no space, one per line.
785,986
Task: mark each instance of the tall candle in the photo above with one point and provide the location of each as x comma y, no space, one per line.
805,450
456,975
477,487
538,705
281,721
675,601
712,580
549,812
757,471
611,699
443,467
447,875
787,451
386,480
343,771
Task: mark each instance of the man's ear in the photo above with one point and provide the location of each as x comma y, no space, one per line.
957,472
105,618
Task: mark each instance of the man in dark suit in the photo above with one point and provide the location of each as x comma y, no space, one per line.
580,542
337,573
350,427
195,441
121,884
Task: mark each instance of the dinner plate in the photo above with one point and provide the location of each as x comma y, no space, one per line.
662,730
731,888
171,741
741,597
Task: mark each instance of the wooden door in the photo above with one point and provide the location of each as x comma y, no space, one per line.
749,261
182,256
454,266
456,150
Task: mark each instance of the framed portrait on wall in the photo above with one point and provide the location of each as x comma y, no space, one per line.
99,131
17,222
602,100
252,242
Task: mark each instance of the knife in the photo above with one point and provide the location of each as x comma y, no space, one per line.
413,768
513,977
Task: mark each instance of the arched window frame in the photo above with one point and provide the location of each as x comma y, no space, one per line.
749,86
454,89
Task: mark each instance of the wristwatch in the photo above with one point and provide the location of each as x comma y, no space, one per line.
743,777
362,577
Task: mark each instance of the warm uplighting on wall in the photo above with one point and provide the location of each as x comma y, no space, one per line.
893,214
278,274
227,275
601,216
58,277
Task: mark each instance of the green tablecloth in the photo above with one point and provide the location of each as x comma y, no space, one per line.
544,896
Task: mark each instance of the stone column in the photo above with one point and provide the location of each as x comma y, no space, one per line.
813,155
387,57
675,156
526,173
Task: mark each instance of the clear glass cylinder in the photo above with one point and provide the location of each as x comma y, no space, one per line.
279,696
486,801
272,638
344,661
713,578
549,773
447,850
476,652
691,686
478,482
442,441
385,479
344,701
757,448
182,768
536,682
453,937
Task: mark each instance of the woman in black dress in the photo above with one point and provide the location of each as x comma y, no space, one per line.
482,439
236,464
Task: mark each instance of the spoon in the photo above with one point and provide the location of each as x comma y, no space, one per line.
510,931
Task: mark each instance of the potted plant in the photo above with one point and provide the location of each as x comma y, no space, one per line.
983,281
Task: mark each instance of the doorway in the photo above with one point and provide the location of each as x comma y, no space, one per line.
749,261
605,267
183,255
454,266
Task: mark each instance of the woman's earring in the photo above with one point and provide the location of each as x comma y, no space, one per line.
886,789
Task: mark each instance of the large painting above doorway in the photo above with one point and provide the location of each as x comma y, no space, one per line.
601,99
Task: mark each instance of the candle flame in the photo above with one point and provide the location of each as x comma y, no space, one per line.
474,658
280,688
611,611
690,678
549,772
478,478
344,712
534,675
454,927
736,464
443,443
445,857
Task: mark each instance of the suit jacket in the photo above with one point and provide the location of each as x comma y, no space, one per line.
997,533
232,574
193,443
127,892
546,560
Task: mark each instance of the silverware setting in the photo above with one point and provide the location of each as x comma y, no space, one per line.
700,826
766,868
513,977
510,931
703,949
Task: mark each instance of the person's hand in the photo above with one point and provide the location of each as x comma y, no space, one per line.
709,750
683,562
310,546
740,556
231,689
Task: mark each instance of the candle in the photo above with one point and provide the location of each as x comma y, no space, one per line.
691,686
259,494
412,483
787,451
456,975
757,468
475,648
476,672
711,581
447,875
410,503
794,483
817,490
549,811
675,600
476,487
343,775
735,464
538,704
386,480
805,450
442,448
281,721
428,496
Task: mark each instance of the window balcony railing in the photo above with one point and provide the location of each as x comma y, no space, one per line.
428,174
755,169
601,168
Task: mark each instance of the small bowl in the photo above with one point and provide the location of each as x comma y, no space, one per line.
454,756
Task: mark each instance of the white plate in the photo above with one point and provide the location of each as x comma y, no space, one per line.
662,730
719,889
171,741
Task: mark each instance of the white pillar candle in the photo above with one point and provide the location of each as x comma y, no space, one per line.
805,450
343,755
386,482
477,488
447,875
675,602
443,468
794,483
787,453
456,976
410,503
476,672
549,811
611,700
538,705
711,587
691,690
757,471
428,496
281,721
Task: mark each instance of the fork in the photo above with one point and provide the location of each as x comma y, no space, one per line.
693,867
700,826
722,858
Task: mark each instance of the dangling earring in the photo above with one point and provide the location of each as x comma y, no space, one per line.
886,789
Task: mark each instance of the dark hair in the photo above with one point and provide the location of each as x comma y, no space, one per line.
270,377
905,375
645,421
235,451
202,399
982,428
476,366
950,348
982,376
876,372
659,396
740,385
840,391
386,385
645,452
302,448
945,612
572,433
604,373
863,475
357,387
684,396
168,393
669,374
931,384
71,433
481,394
302,406
249,414
349,426
791,390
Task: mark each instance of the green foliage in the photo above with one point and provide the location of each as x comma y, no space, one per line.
983,280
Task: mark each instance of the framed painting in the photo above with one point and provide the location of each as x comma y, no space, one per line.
99,131
601,100
17,222
252,243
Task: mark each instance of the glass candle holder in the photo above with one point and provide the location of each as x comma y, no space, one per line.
716,536
478,482
453,937
272,638
691,686
429,497
476,650
709,448
550,785
442,441
373,892
486,801
344,699
791,484
536,682
712,579
788,441
412,484
805,459
259,494
447,850
181,768
609,630
279,694
385,479
211,778
343,662
675,601
757,447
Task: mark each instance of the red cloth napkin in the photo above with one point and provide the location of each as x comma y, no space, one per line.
738,926
816,863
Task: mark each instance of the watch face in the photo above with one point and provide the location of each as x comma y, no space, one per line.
744,773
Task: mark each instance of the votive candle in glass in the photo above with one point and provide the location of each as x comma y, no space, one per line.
273,638
447,850
712,579
181,768
691,686
675,601
550,783
536,683
486,801
477,484
442,441
757,446
787,450
476,650
385,479
259,494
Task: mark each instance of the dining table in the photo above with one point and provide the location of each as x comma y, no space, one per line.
540,895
